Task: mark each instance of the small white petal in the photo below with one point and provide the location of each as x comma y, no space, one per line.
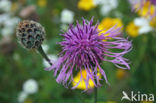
113,3
12,22
107,6
141,21
30,86
67,16
4,18
7,31
144,29
97,2
5,5
105,10
64,27
22,96
105,2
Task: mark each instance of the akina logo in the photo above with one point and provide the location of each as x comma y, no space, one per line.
137,96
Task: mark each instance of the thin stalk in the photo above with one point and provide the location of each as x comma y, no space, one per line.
95,90
95,94
41,51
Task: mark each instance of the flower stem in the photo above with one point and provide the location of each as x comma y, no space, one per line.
95,94
95,89
41,51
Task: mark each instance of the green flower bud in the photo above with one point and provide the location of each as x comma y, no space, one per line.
30,34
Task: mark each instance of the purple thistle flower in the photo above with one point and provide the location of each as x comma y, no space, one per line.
140,4
85,48
153,2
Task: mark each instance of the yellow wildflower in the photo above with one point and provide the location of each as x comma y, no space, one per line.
146,102
108,23
55,11
28,101
153,22
132,29
110,102
82,84
42,3
147,9
86,5
120,74
14,6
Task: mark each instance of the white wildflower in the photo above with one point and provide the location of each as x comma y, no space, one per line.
107,6
22,97
30,86
11,22
67,16
64,27
4,18
143,23
5,5
7,31
97,2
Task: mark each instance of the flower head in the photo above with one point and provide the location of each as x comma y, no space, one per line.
5,5
146,8
107,6
138,26
84,48
8,21
30,86
132,29
121,74
22,97
30,34
86,5
42,3
153,22
67,16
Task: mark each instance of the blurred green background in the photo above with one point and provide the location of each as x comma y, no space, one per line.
18,65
